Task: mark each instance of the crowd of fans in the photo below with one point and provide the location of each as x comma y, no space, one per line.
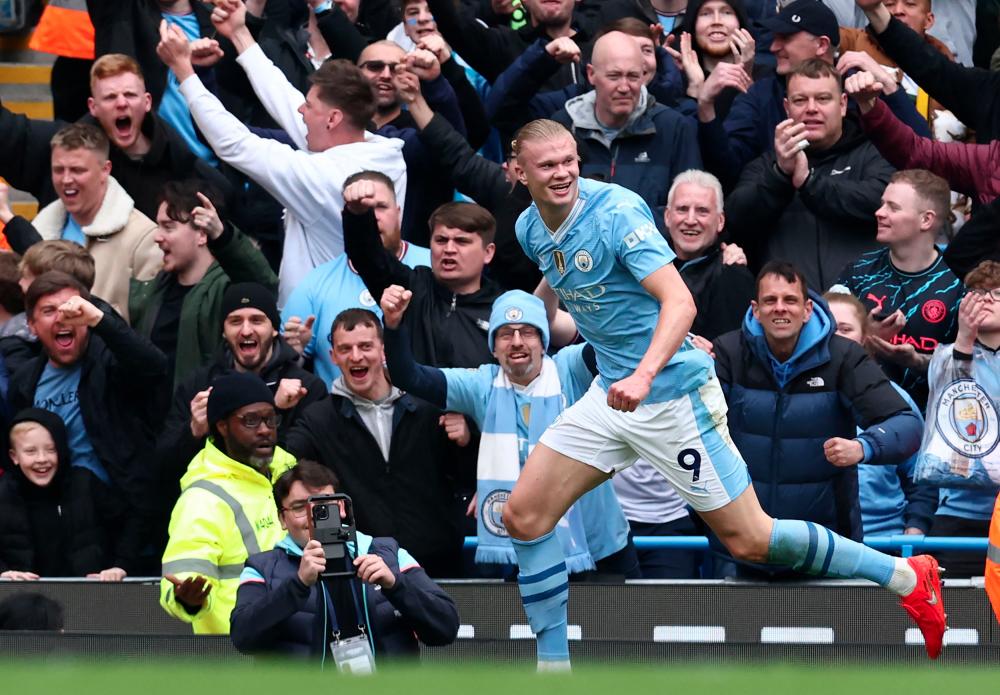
231,191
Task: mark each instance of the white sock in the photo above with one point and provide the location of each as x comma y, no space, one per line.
903,580
556,666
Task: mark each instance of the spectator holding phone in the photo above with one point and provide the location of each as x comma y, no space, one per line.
283,607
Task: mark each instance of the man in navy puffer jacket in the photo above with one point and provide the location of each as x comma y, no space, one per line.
797,393
282,608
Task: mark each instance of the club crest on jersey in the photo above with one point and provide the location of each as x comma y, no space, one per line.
583,261
560,261
491,512
513,314
366,298
967,419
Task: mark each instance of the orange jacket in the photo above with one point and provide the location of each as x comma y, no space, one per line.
993,561
65,30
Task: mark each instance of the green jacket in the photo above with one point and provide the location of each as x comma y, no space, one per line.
199,334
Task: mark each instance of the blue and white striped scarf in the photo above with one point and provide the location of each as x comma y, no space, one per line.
499,467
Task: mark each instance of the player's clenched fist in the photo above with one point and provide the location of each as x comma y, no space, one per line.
395,299
359,197
627,394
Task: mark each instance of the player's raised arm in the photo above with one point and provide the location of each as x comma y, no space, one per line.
677,312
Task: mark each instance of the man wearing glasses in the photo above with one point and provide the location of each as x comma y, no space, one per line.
282,606
225,512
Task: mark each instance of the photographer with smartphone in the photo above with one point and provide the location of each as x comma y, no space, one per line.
286,606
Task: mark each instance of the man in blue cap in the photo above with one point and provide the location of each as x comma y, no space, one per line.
513,402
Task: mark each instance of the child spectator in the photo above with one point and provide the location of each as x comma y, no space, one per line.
58,520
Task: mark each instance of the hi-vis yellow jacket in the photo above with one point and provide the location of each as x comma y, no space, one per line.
225,514
993,561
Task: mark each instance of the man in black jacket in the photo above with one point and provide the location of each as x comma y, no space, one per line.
694,219
145,151
283,606
491,50
96,374
452,301
812,200
250,330
386,447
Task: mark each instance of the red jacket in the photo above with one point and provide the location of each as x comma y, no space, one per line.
968,168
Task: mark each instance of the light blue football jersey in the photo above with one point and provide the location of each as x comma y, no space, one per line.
326,291
595,261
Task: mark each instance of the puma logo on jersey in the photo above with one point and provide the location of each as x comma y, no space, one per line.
838,172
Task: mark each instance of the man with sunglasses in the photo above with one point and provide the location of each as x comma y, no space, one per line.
251,345
225,512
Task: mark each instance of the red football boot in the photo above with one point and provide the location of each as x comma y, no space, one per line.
925,603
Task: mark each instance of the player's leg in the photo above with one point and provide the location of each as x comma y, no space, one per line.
710,474
552,479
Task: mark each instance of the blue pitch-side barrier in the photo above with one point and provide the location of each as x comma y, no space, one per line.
907,545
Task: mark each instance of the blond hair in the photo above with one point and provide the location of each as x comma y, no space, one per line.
22,428
113,64
539,129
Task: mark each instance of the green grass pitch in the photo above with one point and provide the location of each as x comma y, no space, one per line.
186,678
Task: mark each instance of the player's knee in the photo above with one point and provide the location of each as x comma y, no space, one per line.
521,523
747,547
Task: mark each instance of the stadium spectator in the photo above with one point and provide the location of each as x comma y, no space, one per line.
713,32
491,50
94,211
145,151
968,168
892,503
284,606
17,343
327,126
975,354
181,308
512,403
972,94
96,374
249,327
335,286
452,299
812,199
395,76
694,218
226,512
918,15
386,447
623,135
516,97
803,30
59,520
796,393
977,241
906,286
492,184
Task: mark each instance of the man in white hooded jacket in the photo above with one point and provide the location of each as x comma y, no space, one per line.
327,125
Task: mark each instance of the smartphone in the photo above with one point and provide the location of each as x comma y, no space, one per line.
331,522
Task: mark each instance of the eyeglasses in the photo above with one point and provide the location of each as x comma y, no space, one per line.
253,420
298,509
993,294
377,66
507,333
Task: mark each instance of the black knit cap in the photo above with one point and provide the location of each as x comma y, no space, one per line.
234,390
56,428
251,295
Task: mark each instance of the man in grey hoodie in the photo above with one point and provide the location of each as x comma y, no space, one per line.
388,448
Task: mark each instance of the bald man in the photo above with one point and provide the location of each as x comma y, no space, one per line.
623,135
377,62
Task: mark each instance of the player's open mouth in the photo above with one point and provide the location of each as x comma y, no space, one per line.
64,339
561,187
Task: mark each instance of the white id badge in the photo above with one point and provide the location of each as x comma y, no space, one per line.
353,655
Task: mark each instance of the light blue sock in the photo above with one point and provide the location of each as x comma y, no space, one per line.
814,549
544,587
